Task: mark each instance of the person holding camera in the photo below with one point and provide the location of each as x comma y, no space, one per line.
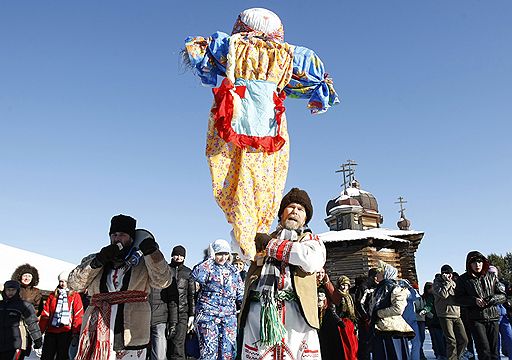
449,313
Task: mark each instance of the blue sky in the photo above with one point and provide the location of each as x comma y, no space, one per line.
98,117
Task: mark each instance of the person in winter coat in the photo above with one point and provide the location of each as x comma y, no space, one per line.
432,322
116,325
345,316
280,309
449,314
61,320
391,331
362,296
331,343
409,316
28,276
180,295
504,327
220,294
419,308
16,317
163,323
239,263
480,291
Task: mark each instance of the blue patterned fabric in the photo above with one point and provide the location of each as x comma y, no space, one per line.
221,291
217,338
212,63
310,81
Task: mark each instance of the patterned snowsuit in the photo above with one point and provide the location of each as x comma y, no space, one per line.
221,291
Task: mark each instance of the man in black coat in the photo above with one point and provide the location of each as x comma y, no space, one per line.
181,295
480,291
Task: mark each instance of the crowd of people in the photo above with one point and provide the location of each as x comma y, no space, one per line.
127,302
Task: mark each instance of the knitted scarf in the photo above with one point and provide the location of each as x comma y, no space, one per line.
61,317
271,328
95,337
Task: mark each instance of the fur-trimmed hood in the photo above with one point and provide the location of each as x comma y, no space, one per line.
24,269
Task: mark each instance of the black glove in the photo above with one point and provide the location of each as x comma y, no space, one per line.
38,343
108,253
148,246
261,241
74,340
170,331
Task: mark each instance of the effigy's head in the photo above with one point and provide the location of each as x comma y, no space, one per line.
259,20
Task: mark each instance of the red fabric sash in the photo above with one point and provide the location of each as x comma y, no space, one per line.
348,339
223,114
95,336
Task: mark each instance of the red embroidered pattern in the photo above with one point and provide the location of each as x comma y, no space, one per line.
279,249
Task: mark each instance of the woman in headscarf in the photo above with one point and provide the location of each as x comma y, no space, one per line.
331,346
221,291
338,318
391,331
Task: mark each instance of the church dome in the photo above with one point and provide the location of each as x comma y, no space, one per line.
364,198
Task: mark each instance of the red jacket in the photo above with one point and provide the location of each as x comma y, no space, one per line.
76,312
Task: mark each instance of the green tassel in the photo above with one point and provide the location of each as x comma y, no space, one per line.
271,329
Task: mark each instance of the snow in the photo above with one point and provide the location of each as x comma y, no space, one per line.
352,191
377,233
49,268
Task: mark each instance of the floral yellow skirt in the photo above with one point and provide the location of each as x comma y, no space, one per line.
247,184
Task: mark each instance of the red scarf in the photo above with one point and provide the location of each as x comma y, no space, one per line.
95,336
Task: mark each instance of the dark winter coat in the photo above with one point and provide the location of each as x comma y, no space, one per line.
484,285
180,294
16,318
159,311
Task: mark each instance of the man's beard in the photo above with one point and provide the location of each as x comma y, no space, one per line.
290,224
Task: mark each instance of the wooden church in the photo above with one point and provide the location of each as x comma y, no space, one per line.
356,241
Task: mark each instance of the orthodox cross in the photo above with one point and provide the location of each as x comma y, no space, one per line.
348,172
401,201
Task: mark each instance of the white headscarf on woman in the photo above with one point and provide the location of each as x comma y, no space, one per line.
389,272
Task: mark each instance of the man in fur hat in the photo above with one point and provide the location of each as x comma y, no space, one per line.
116,325
280,292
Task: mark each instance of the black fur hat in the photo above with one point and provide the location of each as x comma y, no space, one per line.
26,269
298,196
123,223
